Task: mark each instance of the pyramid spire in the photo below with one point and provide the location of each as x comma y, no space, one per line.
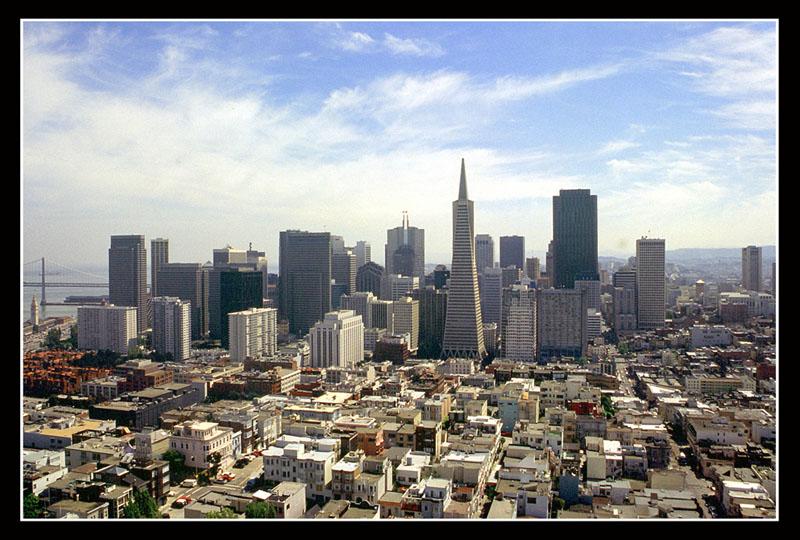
462,187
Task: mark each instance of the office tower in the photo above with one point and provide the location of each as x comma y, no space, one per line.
774,282
189,282
127,276
253,333
34,312
625,279
511,274
532,268
751,268
410,260
406,320
484,252
343,268
463,332
395,286
491,292
107,327
512,251
592,288
363,253
337,340
359,302
228,255
172,327
624,301
337,291
368,278
239,289
440,276
594,324
561,325
432,312
550,265
304,282
490,338
381,315
259,261
650,284
159,255
518,337
574,237
337,244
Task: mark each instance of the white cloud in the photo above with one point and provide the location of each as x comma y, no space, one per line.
355,41
412,46
612,147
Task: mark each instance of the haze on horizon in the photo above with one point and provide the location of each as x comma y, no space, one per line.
227,133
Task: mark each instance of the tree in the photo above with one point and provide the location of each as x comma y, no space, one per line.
32,507
177,468
142,505
259,510
53,339
558,504
225,513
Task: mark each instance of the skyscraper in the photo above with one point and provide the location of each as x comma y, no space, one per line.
432,312
406,320
127,276
259,261
343,268
463,332
518,336
189,282
337,340
751,268
650,284
561,323
368,278
484,252
574,237
363,253
304,283
410,260
159,255
172,327
491,294
253,333
229,255
532,269
239,289
512,251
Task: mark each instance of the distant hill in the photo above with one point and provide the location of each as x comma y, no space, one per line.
695,254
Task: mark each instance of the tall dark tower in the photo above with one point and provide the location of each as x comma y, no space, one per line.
463,330
574,237
304,284
127,276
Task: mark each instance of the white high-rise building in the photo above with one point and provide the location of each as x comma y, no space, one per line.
172,327
594,323
491,290
253,333
395,286
337,340
107,327
650,283
363,253
406,320
561,325
519,323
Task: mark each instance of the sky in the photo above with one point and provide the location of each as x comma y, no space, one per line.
213,133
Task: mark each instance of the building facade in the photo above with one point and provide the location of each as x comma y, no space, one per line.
574,237
107,327
127,276
253,333
337,340
304,284
172,327
650,283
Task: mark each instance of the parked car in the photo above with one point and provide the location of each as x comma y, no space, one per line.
189,482
180,502
241,463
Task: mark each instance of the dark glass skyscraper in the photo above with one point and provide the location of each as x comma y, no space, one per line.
405,246
304,282
512,251
127,276
159,255
368,278
239,289
574,237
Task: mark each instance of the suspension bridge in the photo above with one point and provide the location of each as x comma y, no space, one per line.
35,273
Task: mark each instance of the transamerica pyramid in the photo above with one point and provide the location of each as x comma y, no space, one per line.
463,329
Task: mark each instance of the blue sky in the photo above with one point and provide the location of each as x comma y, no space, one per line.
214,133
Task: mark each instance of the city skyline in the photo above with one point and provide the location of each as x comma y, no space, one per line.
124,116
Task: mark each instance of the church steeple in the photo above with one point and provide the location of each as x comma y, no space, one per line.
462,187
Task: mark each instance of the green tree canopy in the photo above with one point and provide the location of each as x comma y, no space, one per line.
32,506
259,510
142,505
225,513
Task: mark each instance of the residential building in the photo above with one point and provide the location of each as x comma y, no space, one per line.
172,327
253,333
107,327
519,323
